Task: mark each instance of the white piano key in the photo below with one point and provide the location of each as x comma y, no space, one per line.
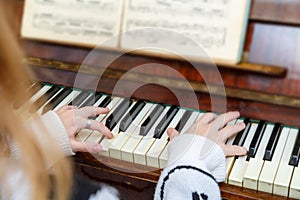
85,133
230,160
240,165
155,150
295,184
255,164
133,141
163,158
39,93
285,171
141,149
105,143
34,97
68,99
40,110
268,173
122,137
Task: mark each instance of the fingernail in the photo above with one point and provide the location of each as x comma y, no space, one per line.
169,131
97,148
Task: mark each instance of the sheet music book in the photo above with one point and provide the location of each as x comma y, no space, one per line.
80,22
216,26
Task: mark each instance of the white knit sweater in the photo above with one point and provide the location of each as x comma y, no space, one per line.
195,165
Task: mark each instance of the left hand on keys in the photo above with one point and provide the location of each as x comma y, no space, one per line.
75,119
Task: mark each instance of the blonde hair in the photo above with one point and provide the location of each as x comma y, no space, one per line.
15,79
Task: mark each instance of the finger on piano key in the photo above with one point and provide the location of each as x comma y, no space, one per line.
56,100
242,135
114,101
256,163
269,170
105,143
85,133
163,158
230,160
152,156
164,123
240,164
139,153
235,141
96,136
285,171
104,103
122,137
135,138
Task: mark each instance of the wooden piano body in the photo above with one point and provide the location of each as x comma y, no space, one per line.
273,38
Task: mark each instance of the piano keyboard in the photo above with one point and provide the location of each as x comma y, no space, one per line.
139,129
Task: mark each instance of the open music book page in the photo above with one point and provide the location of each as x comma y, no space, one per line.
86,22
218,26
182,27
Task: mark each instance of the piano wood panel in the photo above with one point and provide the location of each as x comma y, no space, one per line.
124,173
276,11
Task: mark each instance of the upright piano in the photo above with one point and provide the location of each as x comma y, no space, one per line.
264,88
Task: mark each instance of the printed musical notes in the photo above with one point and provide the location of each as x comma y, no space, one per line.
216,26
85,22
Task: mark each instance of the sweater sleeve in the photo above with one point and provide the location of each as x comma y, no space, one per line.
56,133
195,166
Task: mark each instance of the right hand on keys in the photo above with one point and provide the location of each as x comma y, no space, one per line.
214,128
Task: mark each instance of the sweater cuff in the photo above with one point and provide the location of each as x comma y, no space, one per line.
198,151
57,131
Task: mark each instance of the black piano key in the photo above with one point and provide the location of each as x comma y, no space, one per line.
148,123
271,146
92,100
44,98
187,114
256,139
80,98
118,113
131,115
103,104
57,99
164,123
242,135
294,160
